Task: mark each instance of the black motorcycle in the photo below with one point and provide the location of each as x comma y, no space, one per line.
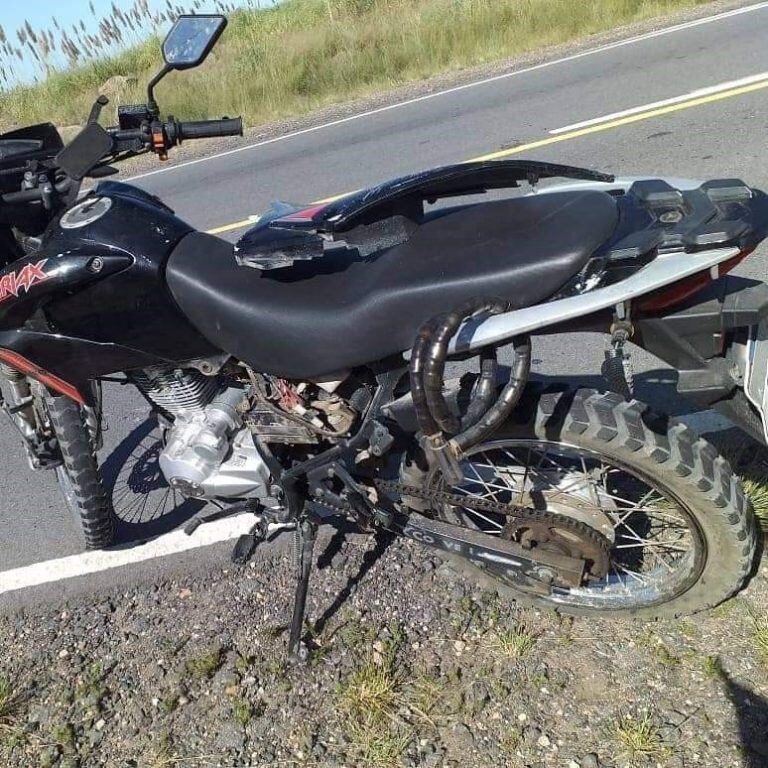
301,376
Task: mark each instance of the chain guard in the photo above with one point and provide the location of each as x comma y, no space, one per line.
555,534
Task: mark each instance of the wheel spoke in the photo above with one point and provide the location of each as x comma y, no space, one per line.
479,477
652,538
650,544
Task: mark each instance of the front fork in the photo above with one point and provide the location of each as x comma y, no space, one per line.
23,400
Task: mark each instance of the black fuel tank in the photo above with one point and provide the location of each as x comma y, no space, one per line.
93,299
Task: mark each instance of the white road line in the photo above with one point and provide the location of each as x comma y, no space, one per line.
707,91
457,89
93,562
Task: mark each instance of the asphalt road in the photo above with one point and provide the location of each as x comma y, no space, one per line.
717,137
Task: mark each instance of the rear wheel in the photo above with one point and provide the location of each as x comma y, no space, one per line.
679,532
79,476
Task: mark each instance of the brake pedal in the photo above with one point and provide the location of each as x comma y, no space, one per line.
246,544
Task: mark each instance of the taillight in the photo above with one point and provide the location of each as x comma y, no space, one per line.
678,292
28,368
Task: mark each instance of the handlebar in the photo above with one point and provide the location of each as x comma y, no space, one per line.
87,150
209,129
36,193
23,196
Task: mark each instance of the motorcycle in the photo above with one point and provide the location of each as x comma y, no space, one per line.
301,375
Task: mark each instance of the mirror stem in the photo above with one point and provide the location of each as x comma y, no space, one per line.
151,103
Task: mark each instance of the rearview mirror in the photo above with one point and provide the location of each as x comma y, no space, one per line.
191,38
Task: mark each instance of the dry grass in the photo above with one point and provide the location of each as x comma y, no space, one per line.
11,702
367,701
750,461
760,638
300,54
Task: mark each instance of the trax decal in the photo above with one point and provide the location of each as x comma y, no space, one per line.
12,283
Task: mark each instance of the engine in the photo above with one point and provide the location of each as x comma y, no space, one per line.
209,452
211,422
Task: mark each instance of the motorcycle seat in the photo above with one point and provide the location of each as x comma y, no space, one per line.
342,310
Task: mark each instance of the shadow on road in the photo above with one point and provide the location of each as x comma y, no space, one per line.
382,538
144,504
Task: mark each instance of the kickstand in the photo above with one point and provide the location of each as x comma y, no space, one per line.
306,533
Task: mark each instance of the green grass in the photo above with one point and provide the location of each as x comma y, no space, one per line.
512,643
206,665
640,739
713,667
305,54
242,711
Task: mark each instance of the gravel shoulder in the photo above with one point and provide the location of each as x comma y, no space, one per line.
411,666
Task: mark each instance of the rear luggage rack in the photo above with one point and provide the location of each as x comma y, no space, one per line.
717,214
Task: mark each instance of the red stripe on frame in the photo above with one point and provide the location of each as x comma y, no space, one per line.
28,368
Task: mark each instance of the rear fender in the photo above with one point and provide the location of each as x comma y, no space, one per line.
718,342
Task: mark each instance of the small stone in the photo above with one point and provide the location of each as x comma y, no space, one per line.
522,717
63,653
459,646
100,723
543,741
590,761
573,764
230,738
463,734
185,593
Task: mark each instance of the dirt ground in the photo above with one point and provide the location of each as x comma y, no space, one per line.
412,665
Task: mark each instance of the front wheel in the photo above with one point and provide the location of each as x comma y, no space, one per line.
78,474
679,533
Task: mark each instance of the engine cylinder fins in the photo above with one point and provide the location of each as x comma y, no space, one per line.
11,373
177,391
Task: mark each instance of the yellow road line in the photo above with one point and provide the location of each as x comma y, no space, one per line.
651,113
230,227
606,126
